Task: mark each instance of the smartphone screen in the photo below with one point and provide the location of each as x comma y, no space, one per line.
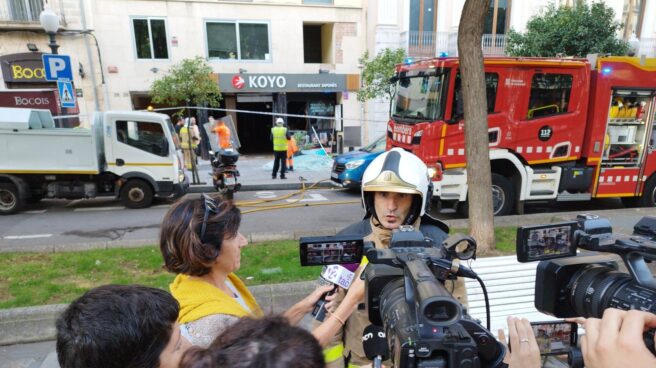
555,337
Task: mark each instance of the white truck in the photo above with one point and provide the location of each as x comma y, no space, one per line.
130,155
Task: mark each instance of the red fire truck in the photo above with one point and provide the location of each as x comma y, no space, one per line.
559,129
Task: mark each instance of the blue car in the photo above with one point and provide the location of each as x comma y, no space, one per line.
349,167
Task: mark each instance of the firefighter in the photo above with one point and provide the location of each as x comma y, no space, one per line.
278,136
292,148
395,192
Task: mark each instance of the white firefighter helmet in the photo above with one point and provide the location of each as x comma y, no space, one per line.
398,171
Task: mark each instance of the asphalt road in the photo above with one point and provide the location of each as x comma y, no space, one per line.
57,224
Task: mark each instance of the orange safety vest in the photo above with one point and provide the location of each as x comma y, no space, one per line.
223,136
291,147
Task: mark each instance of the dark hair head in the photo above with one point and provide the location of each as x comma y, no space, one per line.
122,326
269,342
182,248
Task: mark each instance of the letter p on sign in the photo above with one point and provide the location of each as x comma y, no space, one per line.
57,67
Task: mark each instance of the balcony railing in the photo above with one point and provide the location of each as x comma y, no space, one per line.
647,47
20,10
432,44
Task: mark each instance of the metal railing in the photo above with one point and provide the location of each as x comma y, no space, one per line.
28,11
432,44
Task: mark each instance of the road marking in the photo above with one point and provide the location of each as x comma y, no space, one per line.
33,236
311,197
35,211
98,209
265,195
72,203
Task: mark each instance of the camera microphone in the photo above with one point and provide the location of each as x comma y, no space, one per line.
331,275
374,343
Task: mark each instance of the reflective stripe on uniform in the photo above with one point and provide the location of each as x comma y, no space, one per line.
333,353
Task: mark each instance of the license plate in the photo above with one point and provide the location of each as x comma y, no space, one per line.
334,175
229,181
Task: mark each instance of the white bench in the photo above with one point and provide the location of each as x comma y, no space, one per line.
510,287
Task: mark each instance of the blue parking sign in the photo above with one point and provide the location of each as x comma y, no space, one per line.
66,94
57,67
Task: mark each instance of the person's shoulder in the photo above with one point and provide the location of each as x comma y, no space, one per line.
434,228
362,228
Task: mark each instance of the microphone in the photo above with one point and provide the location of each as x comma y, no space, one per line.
374,343
331,275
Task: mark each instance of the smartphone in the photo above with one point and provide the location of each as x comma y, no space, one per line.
555,337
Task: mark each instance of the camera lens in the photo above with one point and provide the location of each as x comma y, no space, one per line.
593,288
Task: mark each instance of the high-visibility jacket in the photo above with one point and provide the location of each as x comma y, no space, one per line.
223,135
291,147
279,135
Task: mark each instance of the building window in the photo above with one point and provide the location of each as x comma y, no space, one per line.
549,95
317,40
237,40
147,137
25,10
632,17
498,17
150,38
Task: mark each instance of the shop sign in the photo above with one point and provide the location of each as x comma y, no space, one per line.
23,68
282,82
30,100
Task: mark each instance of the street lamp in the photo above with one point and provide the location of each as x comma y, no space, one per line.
50,22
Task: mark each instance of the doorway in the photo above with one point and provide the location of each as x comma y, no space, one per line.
254,130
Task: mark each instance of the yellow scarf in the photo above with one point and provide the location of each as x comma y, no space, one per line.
200,299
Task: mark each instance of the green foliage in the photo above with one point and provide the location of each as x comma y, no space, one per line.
571,31
191,81
377,73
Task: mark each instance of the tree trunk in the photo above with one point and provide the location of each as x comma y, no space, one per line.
479,195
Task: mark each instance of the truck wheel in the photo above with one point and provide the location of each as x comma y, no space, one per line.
503,195
648,198
136,194
10,201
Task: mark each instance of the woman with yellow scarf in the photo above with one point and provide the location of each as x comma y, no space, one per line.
201,243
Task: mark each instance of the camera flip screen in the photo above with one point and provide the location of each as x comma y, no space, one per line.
554,338
545,241
323,250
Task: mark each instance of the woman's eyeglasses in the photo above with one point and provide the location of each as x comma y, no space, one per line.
210,206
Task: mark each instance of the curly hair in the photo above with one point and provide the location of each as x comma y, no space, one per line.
180,240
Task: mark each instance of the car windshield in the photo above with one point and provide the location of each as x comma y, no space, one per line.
376,146
419,98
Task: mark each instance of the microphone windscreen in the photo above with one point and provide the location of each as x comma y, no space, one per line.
374,343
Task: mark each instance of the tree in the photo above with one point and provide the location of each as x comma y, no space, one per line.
377,72
190,83
479,179
571,31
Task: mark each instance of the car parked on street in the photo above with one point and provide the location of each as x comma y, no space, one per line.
349,167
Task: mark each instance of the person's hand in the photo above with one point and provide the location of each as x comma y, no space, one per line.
310,300
616,339
525,351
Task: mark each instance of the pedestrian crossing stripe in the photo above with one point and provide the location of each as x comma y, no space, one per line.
66,94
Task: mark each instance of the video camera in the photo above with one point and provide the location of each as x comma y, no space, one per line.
424,324
405,294
571,285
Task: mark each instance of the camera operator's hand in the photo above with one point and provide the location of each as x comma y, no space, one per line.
525,350
616,339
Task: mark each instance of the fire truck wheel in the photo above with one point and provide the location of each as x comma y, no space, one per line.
10,201
503,195
136,194
649,193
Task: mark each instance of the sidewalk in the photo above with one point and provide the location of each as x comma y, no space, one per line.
255,173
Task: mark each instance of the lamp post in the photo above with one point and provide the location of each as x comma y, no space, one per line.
50,23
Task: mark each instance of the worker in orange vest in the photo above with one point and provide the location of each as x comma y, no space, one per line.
291,150
222,134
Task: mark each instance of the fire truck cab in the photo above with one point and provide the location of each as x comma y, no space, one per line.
558,129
